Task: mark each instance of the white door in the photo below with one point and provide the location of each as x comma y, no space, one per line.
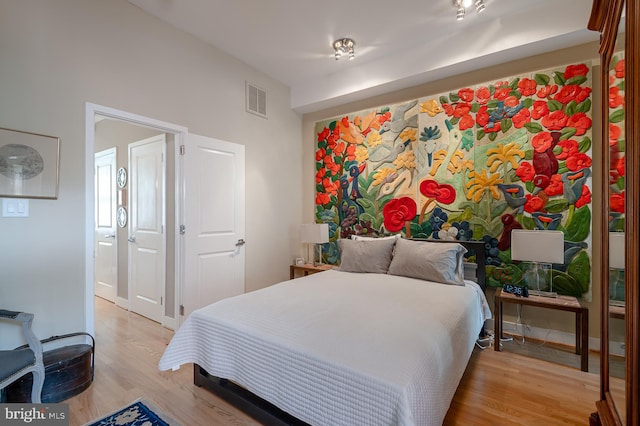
146,227
105,249
213,172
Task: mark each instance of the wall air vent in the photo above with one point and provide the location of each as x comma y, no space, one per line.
256,100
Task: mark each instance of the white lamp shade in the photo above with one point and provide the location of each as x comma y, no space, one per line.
315,233
537,246
616,250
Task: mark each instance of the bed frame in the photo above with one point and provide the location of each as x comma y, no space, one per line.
267,413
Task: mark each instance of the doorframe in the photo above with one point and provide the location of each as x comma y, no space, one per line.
179,133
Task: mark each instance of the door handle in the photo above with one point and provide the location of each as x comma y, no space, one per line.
131,239
110,236
240,242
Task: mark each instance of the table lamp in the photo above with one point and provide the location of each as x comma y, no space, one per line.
316,234
542,248
616,267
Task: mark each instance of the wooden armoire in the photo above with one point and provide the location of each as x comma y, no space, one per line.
618,22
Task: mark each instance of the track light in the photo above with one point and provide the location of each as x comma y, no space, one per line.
462,6
344,46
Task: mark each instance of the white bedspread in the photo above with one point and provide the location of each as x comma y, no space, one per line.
337,348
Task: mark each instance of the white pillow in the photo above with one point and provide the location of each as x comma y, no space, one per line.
470,271
437,262
364,238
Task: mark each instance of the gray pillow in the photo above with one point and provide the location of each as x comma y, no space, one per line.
438,262
366,256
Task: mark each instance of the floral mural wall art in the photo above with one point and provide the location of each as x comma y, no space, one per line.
616,166
616,143
471,164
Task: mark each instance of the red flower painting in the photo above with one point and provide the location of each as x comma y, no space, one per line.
539,110
616,202
581,122
442,193
398,211
556,120
575,70
483,95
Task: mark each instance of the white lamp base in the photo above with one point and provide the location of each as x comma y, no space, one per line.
543,293
537,280
318,247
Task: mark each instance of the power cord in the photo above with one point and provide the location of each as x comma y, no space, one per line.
527,328
523,326
485,342
513,336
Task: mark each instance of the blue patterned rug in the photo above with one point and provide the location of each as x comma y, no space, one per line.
138,413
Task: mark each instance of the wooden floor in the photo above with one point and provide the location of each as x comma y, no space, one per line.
498,388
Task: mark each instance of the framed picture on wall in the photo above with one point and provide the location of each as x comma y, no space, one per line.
29,165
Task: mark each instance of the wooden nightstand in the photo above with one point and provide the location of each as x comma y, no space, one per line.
307,268
562,303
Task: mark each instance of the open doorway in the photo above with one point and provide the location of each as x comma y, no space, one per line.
205,195
132,213
126,136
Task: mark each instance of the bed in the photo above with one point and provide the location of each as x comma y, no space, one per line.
342,347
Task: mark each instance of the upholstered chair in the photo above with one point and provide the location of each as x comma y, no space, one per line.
16,363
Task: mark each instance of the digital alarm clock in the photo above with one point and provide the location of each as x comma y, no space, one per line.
517,290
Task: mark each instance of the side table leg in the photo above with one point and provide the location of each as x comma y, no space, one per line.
584,347
497,334
578,333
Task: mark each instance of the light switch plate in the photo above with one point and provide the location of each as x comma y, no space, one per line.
15,207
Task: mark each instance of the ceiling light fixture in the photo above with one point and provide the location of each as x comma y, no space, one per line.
344,46
462,6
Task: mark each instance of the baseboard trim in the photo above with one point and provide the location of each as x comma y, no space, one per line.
123,303
554,336
170,323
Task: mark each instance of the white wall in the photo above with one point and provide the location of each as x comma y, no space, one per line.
59,54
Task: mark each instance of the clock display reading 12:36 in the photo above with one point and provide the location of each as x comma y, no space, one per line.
517,290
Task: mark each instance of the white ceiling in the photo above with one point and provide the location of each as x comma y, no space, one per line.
399,43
